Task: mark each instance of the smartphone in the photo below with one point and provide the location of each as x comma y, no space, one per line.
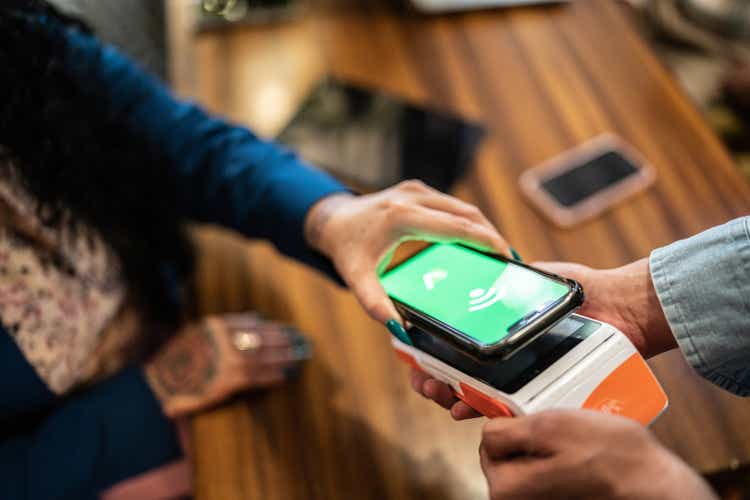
486,303
585,181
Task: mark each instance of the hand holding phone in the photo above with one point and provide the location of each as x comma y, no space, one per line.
359,234
468,306
487,303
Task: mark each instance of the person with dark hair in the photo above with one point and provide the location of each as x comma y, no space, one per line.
101,170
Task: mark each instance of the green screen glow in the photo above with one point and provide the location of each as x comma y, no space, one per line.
480,296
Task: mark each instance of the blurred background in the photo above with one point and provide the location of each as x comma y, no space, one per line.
703,42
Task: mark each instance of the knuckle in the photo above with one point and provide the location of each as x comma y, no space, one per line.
456,413
369,303
465,226
545,425
371,308
412,185
497,435
473,210
553,421
501,428
490,427
634,432
395,207
631,426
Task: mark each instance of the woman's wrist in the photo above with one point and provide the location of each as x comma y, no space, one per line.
316,222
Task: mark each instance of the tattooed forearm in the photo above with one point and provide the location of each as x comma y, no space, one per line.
187,366
319,215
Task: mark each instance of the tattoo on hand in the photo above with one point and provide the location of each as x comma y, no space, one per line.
188,365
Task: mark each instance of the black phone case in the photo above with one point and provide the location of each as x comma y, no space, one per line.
524,334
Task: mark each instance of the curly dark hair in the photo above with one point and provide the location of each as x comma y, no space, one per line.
77,158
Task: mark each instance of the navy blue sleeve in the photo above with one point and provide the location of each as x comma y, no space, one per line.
21,389
226,174
94,440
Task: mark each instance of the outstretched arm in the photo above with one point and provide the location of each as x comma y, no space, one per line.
224,173
228,176
693,294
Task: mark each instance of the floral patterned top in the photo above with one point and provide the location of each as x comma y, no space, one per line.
60,290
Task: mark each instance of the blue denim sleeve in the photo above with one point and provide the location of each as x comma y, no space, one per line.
226,174
703,284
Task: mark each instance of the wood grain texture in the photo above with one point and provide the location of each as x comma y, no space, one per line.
541,80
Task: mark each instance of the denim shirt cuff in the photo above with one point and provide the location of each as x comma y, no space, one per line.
703,284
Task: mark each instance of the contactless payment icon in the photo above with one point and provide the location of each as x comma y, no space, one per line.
482,299
431,278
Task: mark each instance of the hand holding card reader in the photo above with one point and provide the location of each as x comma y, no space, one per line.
579,363
502,335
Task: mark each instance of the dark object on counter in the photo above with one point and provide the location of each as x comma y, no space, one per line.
372,140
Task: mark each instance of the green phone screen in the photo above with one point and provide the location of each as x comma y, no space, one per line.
477,295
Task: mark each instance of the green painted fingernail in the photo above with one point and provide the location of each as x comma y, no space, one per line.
515,254
398,331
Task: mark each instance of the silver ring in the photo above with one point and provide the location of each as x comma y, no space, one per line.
246,341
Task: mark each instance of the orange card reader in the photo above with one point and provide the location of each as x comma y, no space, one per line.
579,363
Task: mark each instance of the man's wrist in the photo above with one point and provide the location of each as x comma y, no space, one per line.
639,304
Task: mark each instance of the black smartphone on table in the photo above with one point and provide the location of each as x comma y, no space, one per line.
372,140
583,182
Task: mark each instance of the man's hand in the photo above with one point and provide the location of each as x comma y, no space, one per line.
623,297
582,454
360,233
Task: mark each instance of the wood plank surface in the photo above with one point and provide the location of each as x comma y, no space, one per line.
541,80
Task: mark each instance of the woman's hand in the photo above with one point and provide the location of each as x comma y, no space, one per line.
360,233
623,297
208,361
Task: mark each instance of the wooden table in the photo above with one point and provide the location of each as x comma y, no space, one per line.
541,80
